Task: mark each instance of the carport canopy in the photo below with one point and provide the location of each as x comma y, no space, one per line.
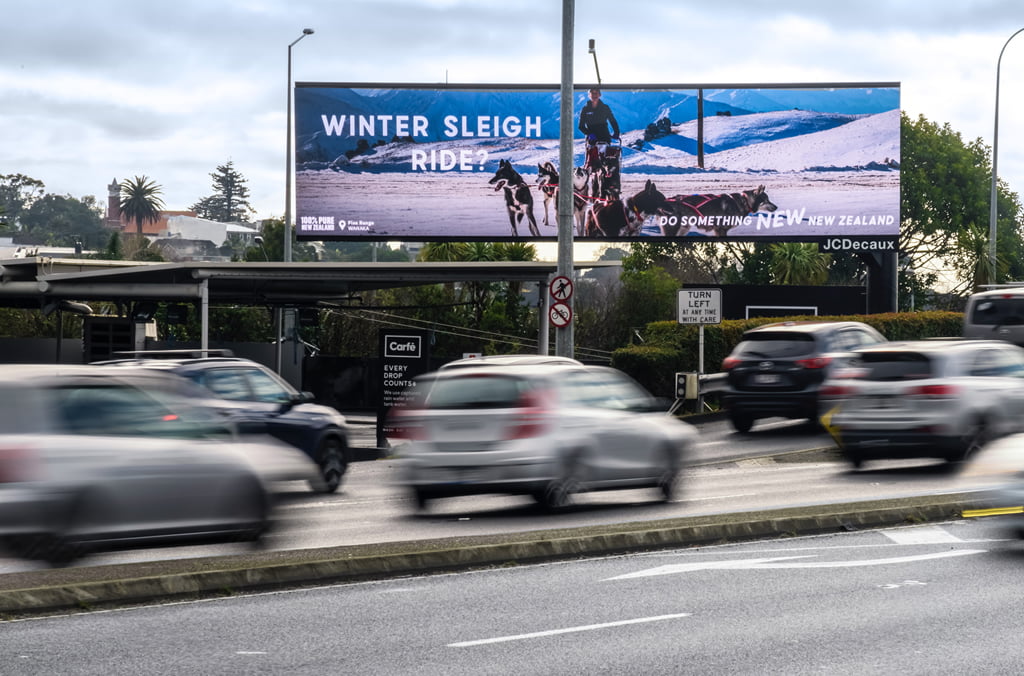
37,282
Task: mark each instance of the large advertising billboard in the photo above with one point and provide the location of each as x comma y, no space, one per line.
657,162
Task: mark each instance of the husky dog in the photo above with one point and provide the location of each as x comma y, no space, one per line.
716,214
518,199
608,217
646,203
582,197
547,179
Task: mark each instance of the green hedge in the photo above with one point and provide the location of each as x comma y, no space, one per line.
670,347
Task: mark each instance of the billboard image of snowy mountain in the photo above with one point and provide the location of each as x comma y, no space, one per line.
464,163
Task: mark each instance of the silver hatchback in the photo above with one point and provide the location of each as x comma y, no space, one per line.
929,398
546,431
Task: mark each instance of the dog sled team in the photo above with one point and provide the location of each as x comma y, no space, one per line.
599,211
598,208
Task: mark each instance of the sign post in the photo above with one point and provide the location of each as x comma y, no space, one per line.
700,306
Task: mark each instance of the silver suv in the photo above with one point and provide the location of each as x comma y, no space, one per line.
927,398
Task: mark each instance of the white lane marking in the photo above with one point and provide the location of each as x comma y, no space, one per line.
721,497
920,535
250,652
772,564
567,630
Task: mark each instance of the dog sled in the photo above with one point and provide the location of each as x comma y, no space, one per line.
603,162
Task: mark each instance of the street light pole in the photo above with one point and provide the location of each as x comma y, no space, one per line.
288,158
995,176
281,322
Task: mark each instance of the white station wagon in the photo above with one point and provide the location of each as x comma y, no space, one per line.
546,431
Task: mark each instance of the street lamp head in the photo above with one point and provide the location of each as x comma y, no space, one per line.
307,31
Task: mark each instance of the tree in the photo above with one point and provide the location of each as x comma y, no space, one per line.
17,193
62,220
230,201
140,201
945,186
799,263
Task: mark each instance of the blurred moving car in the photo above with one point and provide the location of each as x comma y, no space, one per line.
509,360
943,398
545,430
996,314
91,462
777,369
260,401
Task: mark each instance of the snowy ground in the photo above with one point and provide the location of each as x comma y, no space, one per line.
403,206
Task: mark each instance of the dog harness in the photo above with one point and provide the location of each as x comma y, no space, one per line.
745,206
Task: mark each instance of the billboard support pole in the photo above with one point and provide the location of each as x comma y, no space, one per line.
564,337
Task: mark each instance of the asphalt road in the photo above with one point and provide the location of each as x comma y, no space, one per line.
371,530
925,599
729,473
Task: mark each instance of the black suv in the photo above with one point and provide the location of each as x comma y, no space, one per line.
777,369
259,401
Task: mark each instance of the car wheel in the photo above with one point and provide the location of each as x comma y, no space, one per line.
257,515
742,422
333,461
421,498
558,492
977,435
668,482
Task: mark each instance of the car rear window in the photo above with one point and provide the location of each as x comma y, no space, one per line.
998,311
775,345
894,366
475,391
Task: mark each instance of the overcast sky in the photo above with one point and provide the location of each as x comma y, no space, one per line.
95,90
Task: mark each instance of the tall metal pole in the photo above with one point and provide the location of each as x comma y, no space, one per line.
995,176
280,321
564,337
288,158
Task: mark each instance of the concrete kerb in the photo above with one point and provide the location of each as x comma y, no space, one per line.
94,587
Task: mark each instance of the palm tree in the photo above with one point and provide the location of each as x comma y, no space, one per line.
140,201
799,263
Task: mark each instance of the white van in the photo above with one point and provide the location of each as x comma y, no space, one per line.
997,313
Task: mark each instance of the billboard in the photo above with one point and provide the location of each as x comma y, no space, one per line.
407,162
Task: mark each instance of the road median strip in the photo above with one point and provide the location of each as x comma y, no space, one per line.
91,587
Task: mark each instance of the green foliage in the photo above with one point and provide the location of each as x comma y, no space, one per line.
652,366
229,202
58,220
17,193
799,263
945,192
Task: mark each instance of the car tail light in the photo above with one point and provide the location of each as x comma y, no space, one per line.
402,423
814,362
17,463
935,392
532,418
835,391
729,363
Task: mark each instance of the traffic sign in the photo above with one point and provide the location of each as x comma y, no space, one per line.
700,306
561,288
560,314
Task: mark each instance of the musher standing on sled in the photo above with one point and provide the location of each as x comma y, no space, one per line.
594,120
